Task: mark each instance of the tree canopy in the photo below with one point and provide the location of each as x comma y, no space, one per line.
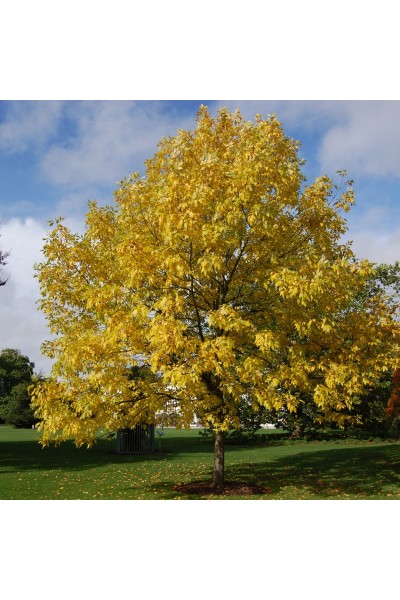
223,273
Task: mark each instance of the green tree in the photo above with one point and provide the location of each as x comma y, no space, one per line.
223,274
18,411
15,368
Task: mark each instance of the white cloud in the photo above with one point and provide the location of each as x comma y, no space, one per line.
29,123
22,325
112,139
379,246
374,234
365,139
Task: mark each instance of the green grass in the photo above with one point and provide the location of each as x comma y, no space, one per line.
342,469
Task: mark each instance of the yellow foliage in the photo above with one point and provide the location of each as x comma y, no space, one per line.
220,276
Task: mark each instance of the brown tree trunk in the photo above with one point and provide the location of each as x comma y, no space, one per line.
219,476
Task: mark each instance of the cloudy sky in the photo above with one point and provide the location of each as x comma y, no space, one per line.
57,155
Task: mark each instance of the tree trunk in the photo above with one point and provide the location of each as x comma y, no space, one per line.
219,478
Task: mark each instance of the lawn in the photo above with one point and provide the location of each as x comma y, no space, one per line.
286,470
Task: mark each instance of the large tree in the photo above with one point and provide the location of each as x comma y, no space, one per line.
221,272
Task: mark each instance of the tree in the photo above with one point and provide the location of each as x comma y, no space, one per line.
367,415
15,368
224,274
370,408
384,281
368,411
18,411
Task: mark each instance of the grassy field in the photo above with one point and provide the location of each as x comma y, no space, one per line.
287,470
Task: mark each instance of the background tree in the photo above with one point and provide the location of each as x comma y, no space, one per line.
17,407
15,368
367,416
369,411
221,272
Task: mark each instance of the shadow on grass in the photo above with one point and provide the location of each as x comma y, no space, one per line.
29,455
317,472
353,472
356,473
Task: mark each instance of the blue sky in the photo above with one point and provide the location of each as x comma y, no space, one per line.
57,155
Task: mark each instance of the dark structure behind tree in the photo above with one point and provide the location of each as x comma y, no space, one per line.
139,440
